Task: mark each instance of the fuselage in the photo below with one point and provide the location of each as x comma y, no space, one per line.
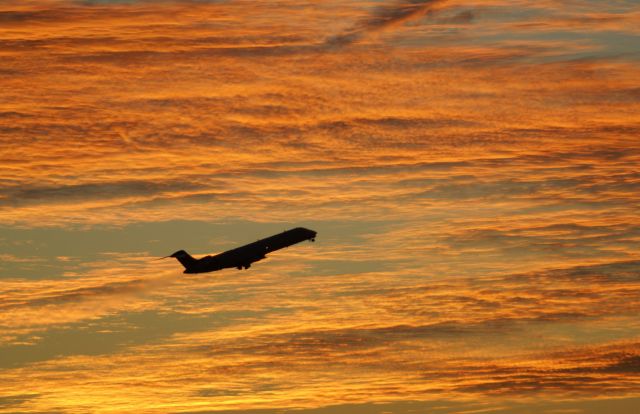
245,255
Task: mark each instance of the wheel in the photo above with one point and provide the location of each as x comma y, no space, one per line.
313,239
247,266
239,267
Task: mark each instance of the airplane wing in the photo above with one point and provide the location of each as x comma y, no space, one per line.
258,250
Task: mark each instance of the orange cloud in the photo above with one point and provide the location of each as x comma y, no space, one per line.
488,171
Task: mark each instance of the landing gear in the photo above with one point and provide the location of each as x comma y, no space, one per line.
313,239
239,267
247,266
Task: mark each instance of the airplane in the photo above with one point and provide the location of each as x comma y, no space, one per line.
245,255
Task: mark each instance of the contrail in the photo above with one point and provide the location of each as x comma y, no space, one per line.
384,18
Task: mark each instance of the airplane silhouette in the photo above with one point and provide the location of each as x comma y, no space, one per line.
245,255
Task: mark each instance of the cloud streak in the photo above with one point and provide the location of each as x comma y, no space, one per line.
385,17
424,338
474,186
40,305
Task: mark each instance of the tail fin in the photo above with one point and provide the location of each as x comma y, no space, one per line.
184,258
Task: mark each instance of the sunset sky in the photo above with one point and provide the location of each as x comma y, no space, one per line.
472,169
